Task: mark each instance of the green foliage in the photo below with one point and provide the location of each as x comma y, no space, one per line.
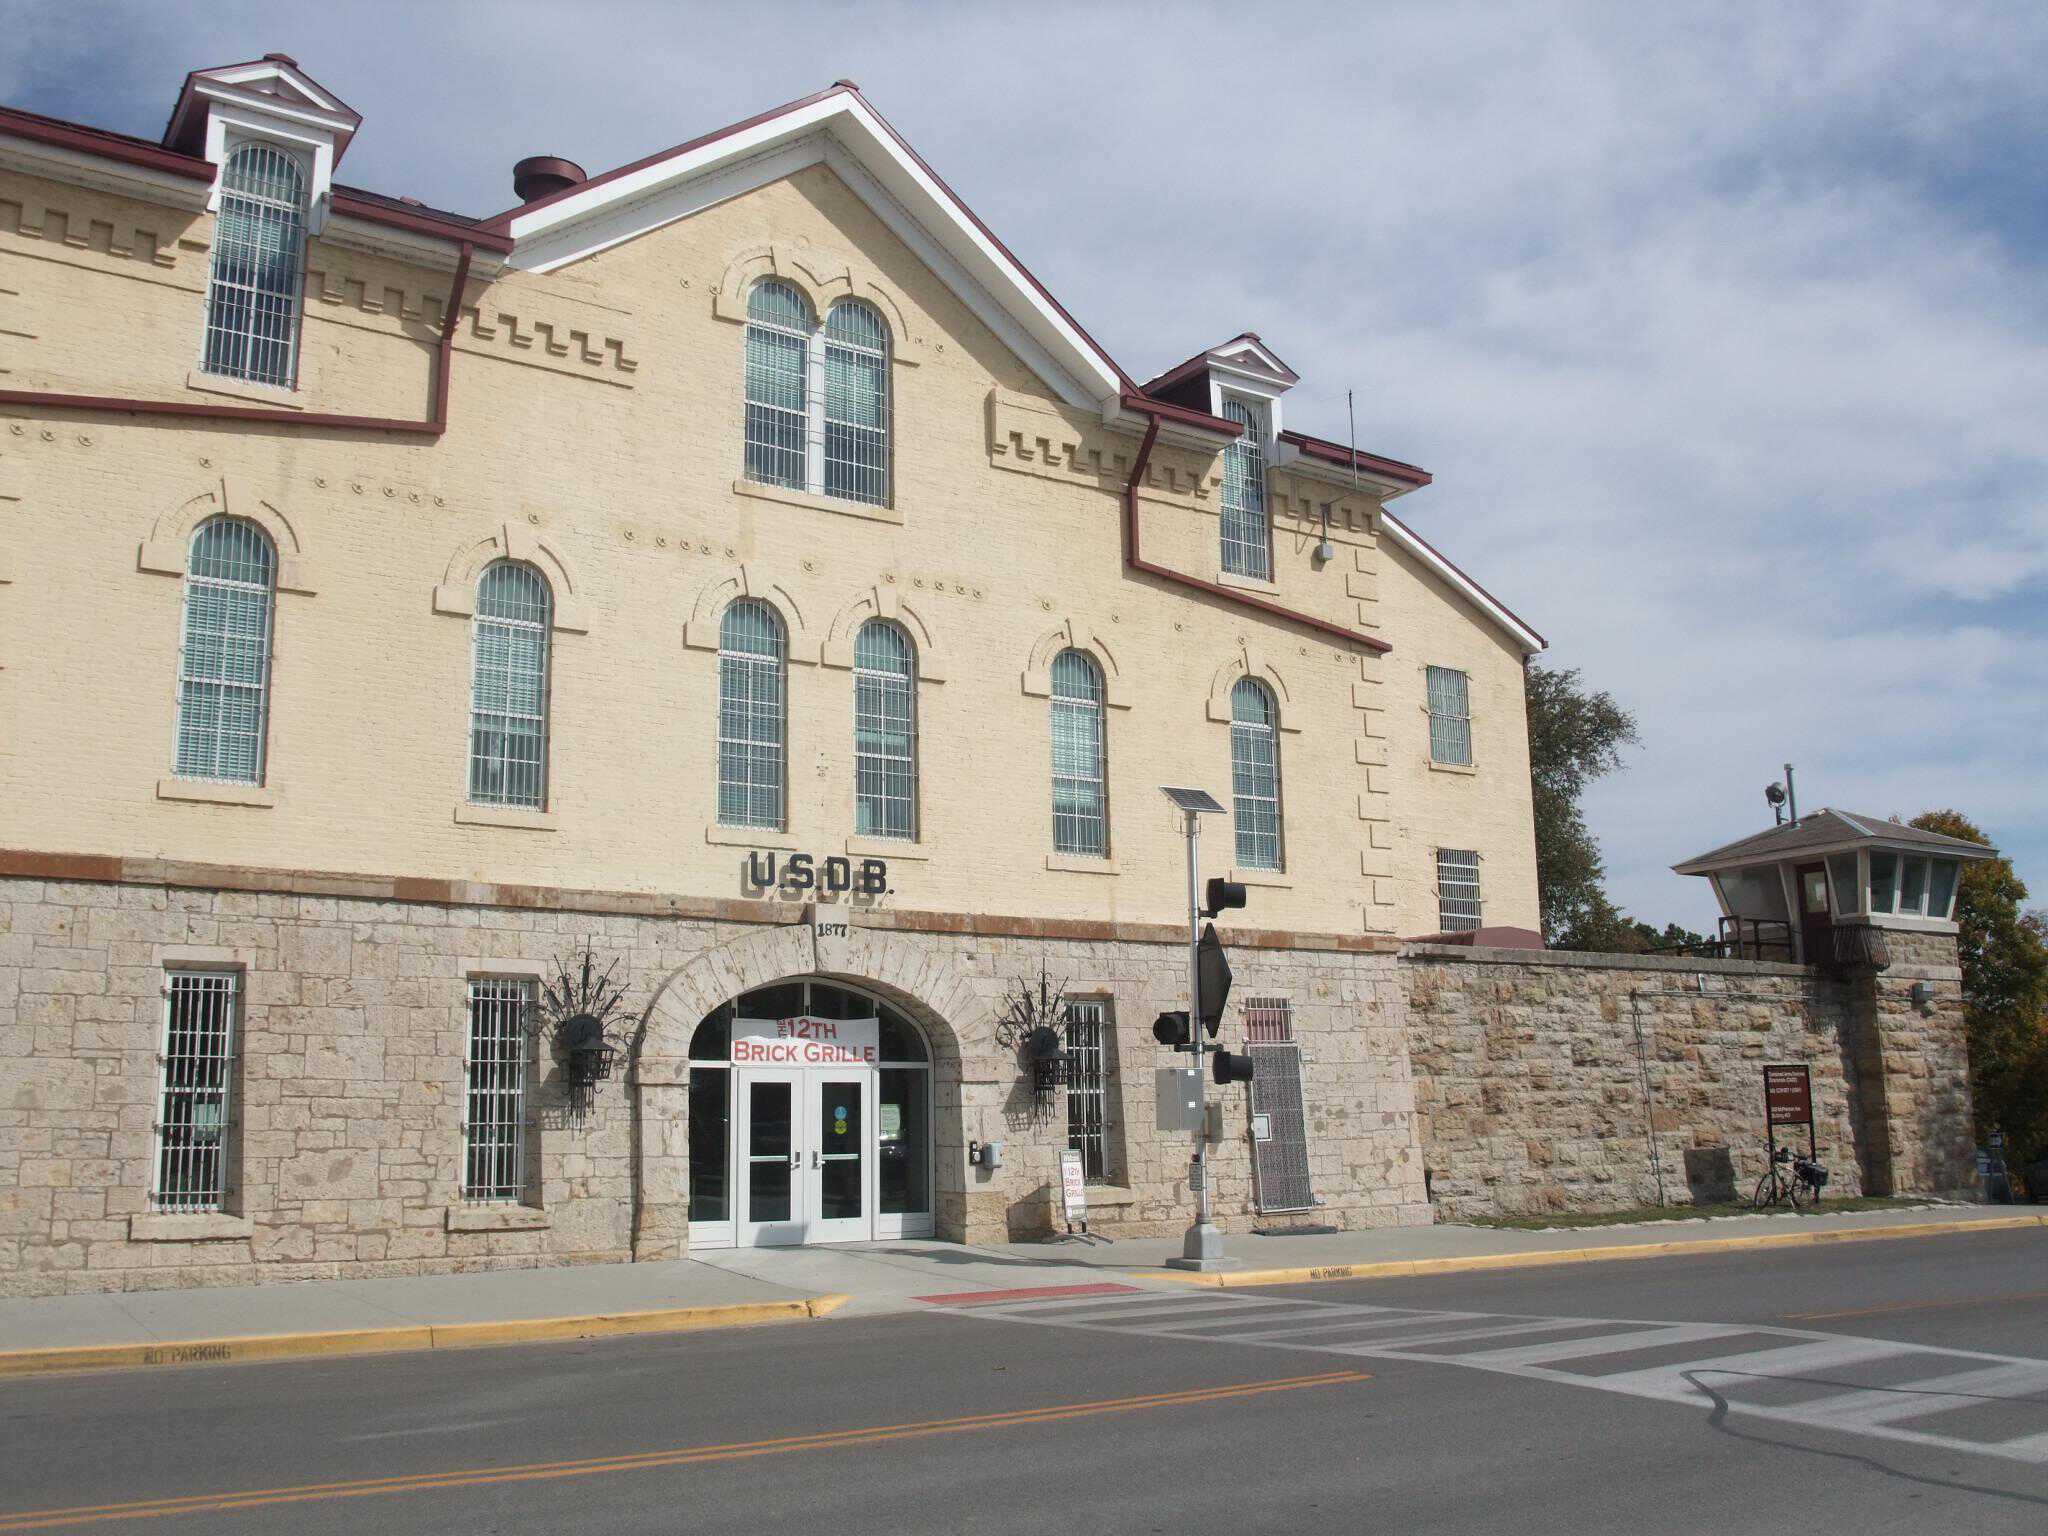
1575,737
2003,950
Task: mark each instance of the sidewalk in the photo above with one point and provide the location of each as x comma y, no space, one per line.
761,1285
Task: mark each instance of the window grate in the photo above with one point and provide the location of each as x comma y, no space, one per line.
856,356
752,715
1450,717
509,688
494,1126
1280,1170
1088,1087
884,732
195,1106
1457,889
224,667
252,299
1247,531
817,395
1080,796
778,384
1255,775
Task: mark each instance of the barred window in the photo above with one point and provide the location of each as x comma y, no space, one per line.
752,715
259,236
494,1121
1247,536
1255,774
508,737
1450,717
1080,797
817,396
195,1106
224,667
779,329
884,732
1457,889
1088,1086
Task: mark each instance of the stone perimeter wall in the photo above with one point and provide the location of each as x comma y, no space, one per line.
1534,1093
348,1151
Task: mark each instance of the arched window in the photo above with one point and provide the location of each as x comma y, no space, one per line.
508,736
259,237
856,403
884,732
817,395
1255,774
779,326
224,669
1080,799
1247,535
752,715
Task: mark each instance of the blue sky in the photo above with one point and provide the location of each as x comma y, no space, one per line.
1723,327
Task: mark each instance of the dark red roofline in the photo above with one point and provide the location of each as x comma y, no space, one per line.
1337,453
103,142
419,221
1133,400
1464,575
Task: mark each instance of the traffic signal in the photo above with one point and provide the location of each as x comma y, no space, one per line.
1221,896
1213,970
1173,1029
1229,1067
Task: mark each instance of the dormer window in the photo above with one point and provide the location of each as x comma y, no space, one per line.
1247,530
259,245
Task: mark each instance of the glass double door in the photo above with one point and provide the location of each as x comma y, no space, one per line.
805,1174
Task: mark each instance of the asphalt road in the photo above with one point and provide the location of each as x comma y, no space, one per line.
1867,1387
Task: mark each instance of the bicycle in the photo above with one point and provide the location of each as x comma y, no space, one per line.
1789,1180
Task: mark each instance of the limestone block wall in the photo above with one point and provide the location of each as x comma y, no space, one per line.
1543,1079
1926,1064
347,1145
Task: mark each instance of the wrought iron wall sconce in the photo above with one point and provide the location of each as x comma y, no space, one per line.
576,1009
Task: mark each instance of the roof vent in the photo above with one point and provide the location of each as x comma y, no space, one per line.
539,176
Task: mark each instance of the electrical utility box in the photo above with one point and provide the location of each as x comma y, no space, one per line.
1179,1094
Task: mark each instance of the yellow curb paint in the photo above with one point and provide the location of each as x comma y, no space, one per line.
1403,1268
288,1346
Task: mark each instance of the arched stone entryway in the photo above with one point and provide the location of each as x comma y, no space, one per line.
927,984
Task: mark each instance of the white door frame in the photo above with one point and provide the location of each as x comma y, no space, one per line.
747,1232
827,1089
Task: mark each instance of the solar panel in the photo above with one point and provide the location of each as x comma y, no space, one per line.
1199,801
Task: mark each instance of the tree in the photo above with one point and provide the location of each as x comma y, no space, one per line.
1575,737
2003,951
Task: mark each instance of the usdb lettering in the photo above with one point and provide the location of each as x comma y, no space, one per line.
836,876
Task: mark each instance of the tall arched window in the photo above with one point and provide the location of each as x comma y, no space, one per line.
884,732
508,735
752,715
779,327
856,403
1255,774
817,395
1247,535
259,237
1080,796
224,668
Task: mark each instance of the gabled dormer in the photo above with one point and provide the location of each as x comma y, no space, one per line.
268,101
1243,369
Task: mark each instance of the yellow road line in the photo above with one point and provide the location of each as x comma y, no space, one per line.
1538,1258
141,1509
1917,1306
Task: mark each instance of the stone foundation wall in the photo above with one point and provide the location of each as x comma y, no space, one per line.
1544,1079
347,1144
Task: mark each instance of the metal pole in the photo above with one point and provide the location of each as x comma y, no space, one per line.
1791,794
1203,1246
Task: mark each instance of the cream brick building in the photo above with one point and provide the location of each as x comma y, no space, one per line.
395,606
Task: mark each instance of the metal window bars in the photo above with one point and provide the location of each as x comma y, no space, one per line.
817,395
1255,775
224,665
252,298
752,715
509,688
494,1122
1247,531
884,732
1087,1084
195,1102
1281,1178
1450,717
1457,889
1080,797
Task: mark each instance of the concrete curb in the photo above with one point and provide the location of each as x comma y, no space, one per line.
378,1341
1398,1268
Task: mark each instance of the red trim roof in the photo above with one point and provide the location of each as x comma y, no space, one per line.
124,147
1337,453
1465,576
